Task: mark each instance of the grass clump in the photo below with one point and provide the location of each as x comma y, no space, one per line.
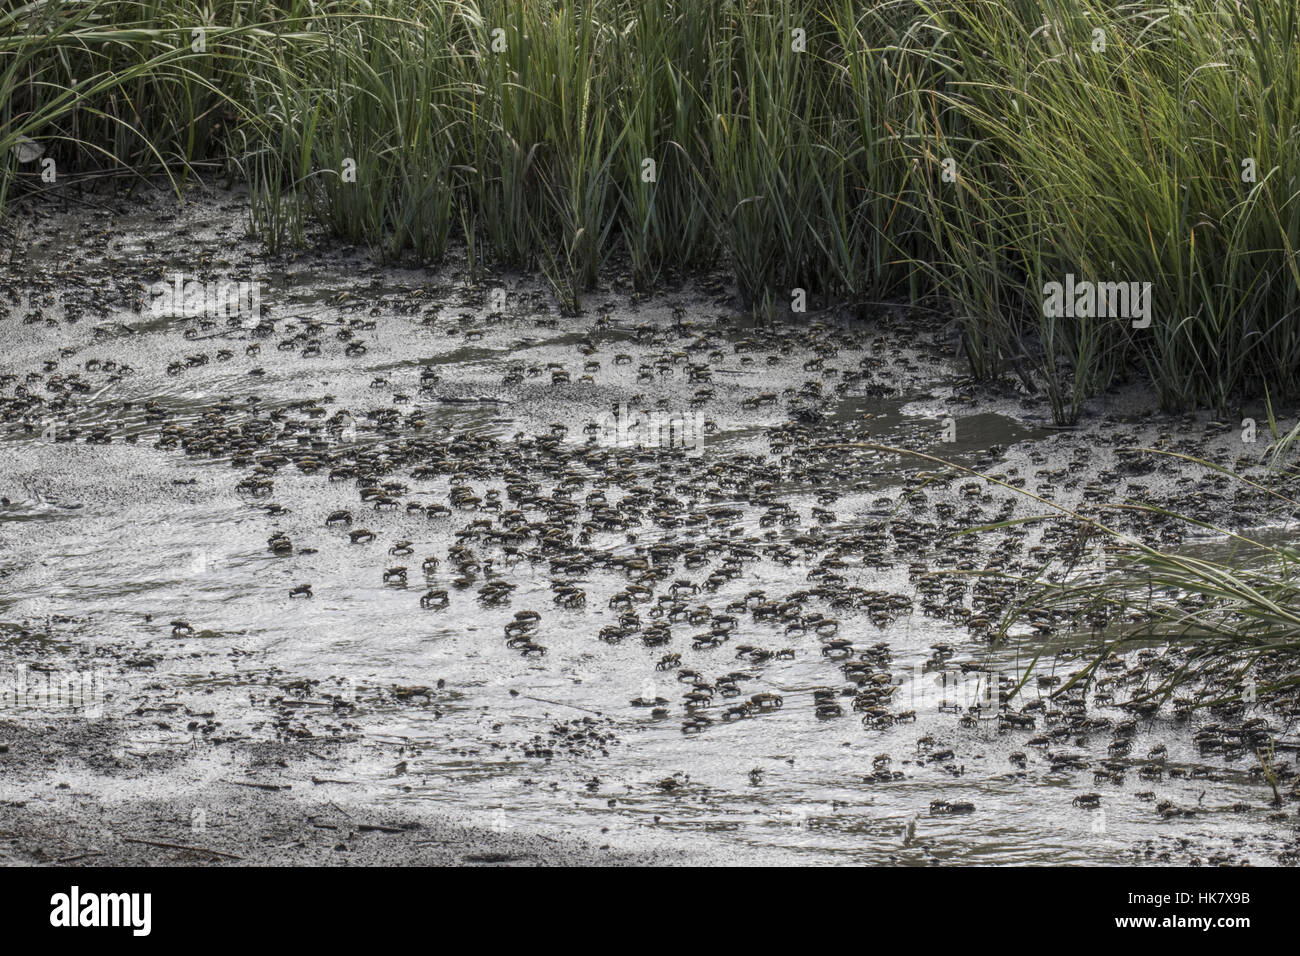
1238,618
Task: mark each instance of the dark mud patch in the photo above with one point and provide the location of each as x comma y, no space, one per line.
106,815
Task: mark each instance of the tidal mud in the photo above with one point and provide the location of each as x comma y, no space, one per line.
398,551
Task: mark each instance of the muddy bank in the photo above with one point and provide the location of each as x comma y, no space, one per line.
403,543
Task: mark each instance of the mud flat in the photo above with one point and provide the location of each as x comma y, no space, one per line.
406,569
126,820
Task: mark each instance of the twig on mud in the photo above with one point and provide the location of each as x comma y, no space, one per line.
79,856
177,846
261,786
560,703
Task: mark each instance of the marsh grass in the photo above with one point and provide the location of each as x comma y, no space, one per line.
1232,615
1126,164
523,131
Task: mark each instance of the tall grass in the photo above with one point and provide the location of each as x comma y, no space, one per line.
99,86
1126,164
964,152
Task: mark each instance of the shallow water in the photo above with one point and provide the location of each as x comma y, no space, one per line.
97,537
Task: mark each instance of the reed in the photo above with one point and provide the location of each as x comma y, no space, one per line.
960,154
1238,618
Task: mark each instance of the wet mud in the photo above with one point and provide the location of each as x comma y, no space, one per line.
403,568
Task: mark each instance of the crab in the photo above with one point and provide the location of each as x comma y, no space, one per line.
668,662
405,693
738,712
877,718
435,599
300,590
570,596
518,628
837,648
680,586
339,517
361,535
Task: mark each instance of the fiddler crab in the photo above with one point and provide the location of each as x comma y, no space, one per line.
436,599
524,621
695,724
567,595
738,711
